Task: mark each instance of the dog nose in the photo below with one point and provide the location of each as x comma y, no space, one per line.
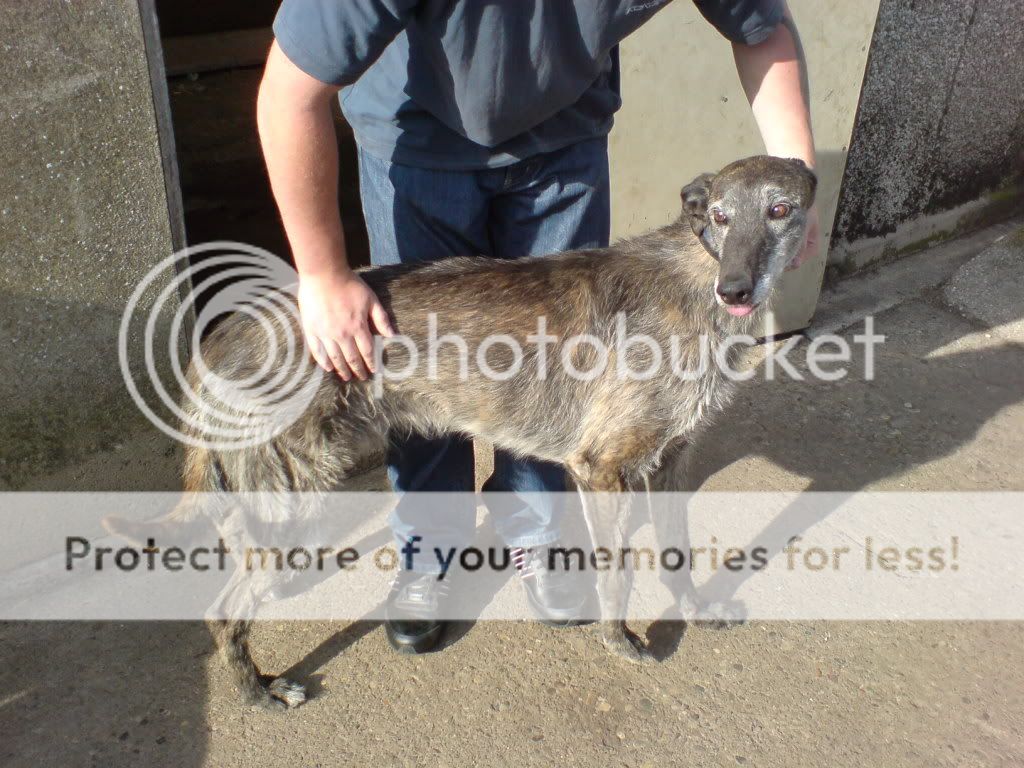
736,290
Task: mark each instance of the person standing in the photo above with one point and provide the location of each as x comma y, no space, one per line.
482,130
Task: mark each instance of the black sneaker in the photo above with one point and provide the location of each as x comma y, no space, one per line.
557,596
411,620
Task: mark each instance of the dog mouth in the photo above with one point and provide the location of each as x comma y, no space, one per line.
740,310
753,300
736,310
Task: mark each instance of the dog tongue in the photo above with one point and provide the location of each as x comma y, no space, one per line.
739,311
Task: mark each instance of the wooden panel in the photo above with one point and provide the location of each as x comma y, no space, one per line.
210,53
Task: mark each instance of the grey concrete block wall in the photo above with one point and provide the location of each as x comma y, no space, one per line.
938,143
83,216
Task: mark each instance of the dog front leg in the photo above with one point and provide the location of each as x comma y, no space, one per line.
670,516
671,521
607,515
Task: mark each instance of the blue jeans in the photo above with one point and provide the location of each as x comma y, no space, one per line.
548,203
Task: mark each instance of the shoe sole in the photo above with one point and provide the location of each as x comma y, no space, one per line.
564,623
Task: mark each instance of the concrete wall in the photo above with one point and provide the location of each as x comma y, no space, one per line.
83,216
685,113
938,145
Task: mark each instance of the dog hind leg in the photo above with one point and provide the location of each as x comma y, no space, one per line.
292,471
230,622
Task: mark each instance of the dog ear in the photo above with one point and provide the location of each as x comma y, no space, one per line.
810,177
695,202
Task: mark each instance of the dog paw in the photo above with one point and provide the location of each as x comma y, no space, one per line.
274,694
628,645
720,614
286,692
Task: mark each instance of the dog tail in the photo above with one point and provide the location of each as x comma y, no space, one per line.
179,527
190,517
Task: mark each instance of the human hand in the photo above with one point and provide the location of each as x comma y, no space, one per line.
340,314
811,244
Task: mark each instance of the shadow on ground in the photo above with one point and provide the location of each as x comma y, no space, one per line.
932,396
97,693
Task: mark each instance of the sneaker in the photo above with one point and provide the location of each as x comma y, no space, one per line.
411,620
556,596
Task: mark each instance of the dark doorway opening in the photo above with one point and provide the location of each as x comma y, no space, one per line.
214,54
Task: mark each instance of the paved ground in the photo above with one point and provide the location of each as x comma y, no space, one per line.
945,413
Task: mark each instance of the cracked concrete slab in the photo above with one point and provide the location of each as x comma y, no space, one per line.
883,287
988,288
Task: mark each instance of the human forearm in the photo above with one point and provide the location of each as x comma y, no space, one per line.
774,77
301,152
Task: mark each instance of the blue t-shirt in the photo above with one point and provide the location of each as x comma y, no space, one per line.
469,84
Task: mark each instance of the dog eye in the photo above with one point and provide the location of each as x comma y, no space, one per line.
719,217
779,211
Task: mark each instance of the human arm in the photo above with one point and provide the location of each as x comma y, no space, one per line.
320,46
773,73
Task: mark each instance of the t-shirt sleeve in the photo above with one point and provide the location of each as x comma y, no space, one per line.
742,21
335,41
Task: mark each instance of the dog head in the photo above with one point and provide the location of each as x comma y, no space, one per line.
752,218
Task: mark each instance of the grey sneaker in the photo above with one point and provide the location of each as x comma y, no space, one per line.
556,595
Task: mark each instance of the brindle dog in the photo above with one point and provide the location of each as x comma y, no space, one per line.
701,276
